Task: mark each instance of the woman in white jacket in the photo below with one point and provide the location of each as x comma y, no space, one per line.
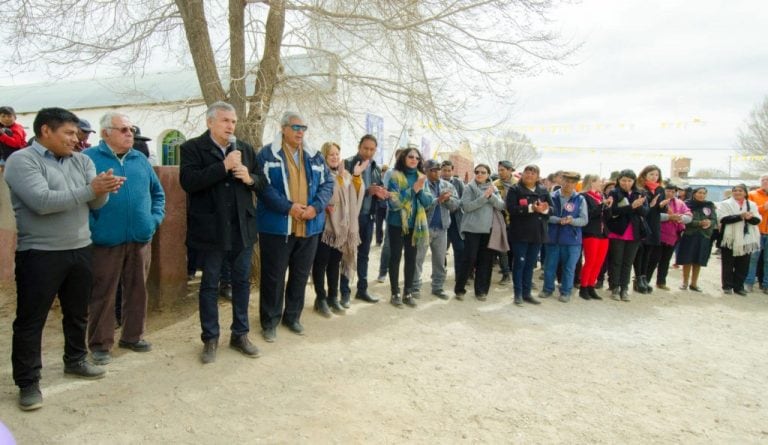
739,218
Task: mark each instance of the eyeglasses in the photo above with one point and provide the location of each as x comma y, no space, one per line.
414,157
124,130
481,172
297,127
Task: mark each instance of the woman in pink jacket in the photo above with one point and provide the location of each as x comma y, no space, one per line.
674,216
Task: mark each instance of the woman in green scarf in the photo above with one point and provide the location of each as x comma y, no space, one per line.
406,222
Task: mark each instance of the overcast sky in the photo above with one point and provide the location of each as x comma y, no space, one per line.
651,74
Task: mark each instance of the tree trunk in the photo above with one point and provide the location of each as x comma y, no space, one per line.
237,62
196,30
267,75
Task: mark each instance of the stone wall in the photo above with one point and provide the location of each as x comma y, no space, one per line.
168,274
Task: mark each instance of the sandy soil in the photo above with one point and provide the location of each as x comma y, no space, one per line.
673,367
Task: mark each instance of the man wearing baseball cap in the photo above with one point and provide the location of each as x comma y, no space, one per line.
439,219
84,131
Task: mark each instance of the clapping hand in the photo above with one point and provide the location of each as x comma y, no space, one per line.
419,184
106,182
360,167
541,206
639,202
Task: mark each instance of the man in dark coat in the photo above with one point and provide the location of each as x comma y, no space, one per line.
375,190
220,175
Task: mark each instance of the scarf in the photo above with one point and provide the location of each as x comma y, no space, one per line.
695,205
741,237
341,227
298,186
404,200
597,196
651,187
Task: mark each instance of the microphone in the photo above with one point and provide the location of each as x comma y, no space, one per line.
232,140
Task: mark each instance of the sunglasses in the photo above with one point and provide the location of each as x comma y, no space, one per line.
481,172
124,130
414,157
297,127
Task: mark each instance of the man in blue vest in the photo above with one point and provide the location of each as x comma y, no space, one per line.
569,215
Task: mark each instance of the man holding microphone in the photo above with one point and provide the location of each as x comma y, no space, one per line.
219,173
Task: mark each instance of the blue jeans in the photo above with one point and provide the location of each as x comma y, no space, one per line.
367,224
240,261
526,255
753,259
567,256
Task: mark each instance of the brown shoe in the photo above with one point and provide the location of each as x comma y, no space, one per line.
244,345
209,351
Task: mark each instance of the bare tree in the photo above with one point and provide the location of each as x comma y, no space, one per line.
421,59
511,146
753,138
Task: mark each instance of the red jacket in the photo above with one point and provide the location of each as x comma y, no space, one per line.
17,139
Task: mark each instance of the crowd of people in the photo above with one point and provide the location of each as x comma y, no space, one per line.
86,219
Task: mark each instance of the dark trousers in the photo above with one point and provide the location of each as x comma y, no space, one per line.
660,258
40,276
282,254
479,258
622,254
366,224
397,244
128,265
526,255
327,263
381,215
734,269
505,260
457,244
240,263
643,259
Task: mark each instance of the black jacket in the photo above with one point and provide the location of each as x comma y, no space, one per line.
524,225
204,178
598,214
350,163
619,215
653,218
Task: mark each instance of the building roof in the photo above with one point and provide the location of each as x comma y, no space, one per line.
150,88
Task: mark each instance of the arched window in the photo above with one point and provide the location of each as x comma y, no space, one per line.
171,146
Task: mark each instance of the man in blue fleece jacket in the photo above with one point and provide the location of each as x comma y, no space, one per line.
122,233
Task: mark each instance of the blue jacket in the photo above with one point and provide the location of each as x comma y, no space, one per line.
133,214
275,201
573,206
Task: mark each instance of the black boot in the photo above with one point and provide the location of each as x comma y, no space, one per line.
584,292
337,309
593,294
321,307
637,286
647,289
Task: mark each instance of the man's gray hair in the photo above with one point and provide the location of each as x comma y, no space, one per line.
210,113
763,176
106,121
287,116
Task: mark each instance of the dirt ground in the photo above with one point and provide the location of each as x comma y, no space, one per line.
672,367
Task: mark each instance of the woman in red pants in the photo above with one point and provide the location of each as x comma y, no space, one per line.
594,235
